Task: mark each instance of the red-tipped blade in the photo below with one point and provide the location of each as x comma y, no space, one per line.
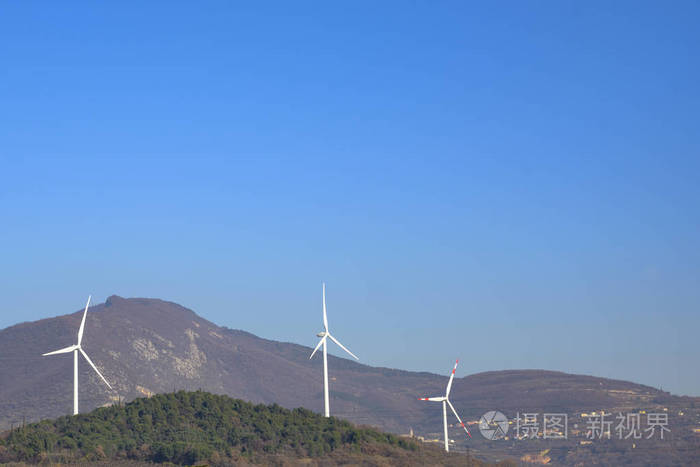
452,375
459,419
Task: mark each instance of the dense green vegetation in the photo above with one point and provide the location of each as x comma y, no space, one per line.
190,427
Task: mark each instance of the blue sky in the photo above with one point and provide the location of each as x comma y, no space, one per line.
513,183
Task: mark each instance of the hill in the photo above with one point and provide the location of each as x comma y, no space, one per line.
197,427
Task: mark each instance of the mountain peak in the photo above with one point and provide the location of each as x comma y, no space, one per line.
113,299
148,306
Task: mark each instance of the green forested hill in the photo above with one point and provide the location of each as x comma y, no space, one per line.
195,427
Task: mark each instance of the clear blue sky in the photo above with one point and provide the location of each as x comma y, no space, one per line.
511,183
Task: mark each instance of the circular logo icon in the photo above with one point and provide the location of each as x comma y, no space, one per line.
493,425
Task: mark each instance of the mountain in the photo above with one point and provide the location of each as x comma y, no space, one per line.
190,428
148,346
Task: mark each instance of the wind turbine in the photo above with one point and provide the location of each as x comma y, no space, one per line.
324,335
75,349
445,402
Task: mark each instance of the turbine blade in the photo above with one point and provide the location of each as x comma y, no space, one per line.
82,323
460,420
434,399
341,345
56,352
95,368
449,384
325,317
317,347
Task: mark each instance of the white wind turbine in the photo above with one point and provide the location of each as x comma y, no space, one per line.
324,335
445,402
75,349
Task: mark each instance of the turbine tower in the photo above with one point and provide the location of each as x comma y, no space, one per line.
75,349
324,335
445,402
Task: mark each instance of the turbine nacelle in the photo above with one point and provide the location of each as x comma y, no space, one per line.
321,334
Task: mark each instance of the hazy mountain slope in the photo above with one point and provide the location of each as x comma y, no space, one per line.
146,346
